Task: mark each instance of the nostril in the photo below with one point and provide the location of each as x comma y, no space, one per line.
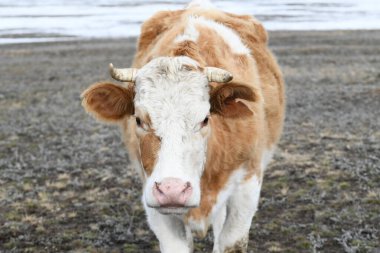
157,185
187,187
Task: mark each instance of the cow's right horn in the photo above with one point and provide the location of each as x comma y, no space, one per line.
123,75
218,75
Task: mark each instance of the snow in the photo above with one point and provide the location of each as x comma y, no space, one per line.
64,19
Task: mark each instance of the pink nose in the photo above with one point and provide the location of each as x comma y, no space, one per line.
172,192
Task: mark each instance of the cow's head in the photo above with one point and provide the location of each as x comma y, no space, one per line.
172,105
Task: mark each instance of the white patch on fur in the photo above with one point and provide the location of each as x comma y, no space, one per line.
217,226
241,208
177,101
190,33
230,37
235,179
266,158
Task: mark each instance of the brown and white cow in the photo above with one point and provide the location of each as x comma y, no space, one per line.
200,141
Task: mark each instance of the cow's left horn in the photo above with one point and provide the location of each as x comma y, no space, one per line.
123,75
218,75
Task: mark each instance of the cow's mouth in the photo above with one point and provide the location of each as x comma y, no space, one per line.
172,209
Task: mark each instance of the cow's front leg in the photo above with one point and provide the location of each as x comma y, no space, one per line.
217,226
241,208
171,232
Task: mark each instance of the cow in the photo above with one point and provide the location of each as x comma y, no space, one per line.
201,111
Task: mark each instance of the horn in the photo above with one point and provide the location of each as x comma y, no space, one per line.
123,75
218,75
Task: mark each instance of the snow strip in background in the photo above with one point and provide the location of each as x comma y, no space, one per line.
24,21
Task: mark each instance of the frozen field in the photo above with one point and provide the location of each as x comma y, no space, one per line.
65,185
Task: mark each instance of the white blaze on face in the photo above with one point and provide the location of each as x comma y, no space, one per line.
175,95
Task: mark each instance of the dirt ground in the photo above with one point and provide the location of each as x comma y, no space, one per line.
65,184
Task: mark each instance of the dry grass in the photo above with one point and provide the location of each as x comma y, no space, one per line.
65,181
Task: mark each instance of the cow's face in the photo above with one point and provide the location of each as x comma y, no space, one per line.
170,107
171,110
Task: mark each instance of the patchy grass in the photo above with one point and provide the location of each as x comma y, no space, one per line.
65,181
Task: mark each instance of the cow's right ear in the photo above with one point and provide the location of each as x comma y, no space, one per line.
233,100
108,102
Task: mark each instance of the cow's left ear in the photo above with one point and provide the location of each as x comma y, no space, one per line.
232,100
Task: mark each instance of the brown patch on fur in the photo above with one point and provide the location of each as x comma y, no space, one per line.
189,49
152,29
233,142
192,68
255,163
108,101
149,147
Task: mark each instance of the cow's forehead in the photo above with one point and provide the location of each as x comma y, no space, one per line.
173,91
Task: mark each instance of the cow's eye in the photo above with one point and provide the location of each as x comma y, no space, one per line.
138,122
205,122
141,125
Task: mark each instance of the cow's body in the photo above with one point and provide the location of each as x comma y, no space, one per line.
238,146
